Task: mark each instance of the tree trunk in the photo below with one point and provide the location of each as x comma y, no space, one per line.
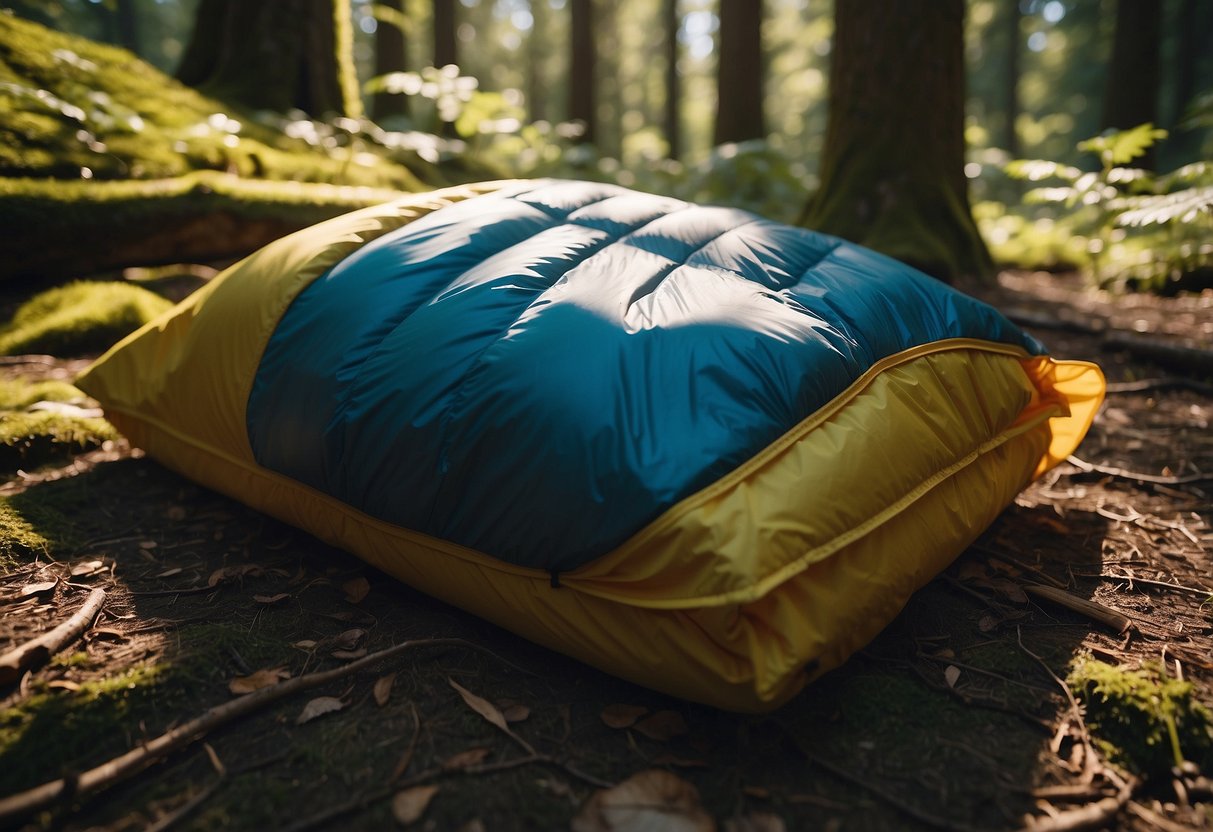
583,104
128,25
892,170
445,47
1131,94
536,69
391,55
275,56
1014,46
671,23
739,72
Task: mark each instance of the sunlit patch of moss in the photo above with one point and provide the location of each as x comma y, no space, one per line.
69,105
1142,719
37,438
79,318
19,539
16,394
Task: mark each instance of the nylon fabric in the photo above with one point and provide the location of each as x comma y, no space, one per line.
538,372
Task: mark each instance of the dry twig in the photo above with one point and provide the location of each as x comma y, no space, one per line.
1097,612
38,650
119,768
1121,473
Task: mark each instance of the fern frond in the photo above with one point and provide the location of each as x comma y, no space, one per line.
1185,206
1034,170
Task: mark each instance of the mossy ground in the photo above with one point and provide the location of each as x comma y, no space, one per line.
69,105
80,318
1144,719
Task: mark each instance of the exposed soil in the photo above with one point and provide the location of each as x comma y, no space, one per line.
954,718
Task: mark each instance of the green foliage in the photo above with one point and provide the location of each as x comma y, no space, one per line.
1122,146
1138,227
79,318
1143,719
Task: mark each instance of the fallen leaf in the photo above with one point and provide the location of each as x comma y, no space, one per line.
988,623
755,822
481,706
356,589
383,689
516,713
305,644
349,655
175,513
271,599
951,674
87,567
759,792
1009,590
148,544
228,573
471,757
662,726
318,707
409,805
349,639
651,800
38,588
63,684
622,716
168,573
260,679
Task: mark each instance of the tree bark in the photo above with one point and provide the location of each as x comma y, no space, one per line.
892,170
391,55
446,49
1011,108
1131,93
128,25
739,73
671,23
536,69
583,104
275,56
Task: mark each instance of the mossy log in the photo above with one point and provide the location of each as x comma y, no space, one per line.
56,229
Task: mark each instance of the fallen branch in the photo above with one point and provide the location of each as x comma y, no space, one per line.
1173,351
1092,468
1097,612
1148,384
34,652
1097,815
22,804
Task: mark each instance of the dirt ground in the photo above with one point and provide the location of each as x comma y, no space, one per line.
956,717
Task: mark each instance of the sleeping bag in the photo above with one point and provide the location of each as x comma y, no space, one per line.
704,451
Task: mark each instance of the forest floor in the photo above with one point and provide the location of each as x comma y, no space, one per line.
957,716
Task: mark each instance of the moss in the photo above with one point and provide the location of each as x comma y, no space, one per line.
28,440
68,104
51,731
1143,719
19,539
79,318
18,395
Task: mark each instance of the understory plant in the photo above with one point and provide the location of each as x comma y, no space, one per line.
1142,228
